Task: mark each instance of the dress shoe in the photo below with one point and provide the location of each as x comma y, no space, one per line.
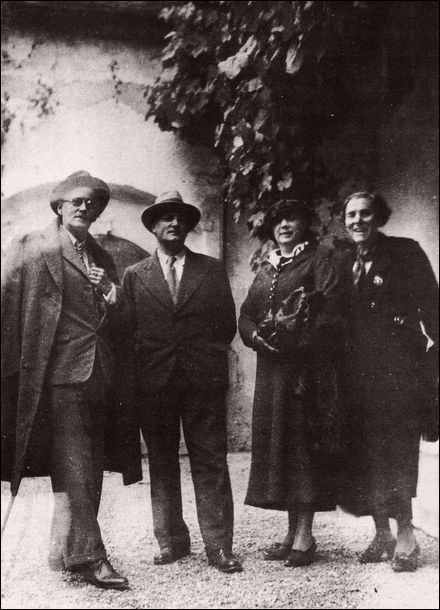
224,562
102,574
277,551
382,544
167,555
406,562
298,558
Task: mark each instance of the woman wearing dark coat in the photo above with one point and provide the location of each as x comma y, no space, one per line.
392,375
292,317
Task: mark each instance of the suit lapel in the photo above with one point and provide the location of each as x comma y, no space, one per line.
152,276
194,271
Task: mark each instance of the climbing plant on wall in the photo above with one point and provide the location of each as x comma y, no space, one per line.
261,82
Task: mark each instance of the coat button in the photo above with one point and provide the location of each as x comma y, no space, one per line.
373,305
399,320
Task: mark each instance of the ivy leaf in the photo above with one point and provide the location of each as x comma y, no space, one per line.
247,166
286,182
232,66
294,58
266,183
254,84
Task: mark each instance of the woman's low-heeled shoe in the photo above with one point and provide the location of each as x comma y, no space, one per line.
301,558
380,546
406,562
277,551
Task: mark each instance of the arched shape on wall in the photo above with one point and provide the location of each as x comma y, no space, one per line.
119,225
123,251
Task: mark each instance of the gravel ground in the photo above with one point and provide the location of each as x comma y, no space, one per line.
335,580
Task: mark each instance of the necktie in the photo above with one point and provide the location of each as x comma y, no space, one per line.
359,270
80,248
171,278
99,299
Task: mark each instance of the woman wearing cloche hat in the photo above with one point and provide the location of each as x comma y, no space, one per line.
293,318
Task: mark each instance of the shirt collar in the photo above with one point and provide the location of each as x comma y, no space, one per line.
275,255
180,256
72,238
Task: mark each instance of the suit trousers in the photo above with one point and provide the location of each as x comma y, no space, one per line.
203,416
77,414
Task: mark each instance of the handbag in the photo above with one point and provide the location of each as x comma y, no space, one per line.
291,327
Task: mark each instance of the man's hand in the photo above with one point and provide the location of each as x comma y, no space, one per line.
262,346
99,279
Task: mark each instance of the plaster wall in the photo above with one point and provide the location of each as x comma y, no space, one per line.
94,120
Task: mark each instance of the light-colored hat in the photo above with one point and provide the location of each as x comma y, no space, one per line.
170,201
100,190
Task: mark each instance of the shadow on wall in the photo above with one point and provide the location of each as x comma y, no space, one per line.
121,234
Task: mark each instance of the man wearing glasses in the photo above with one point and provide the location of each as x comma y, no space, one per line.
59,305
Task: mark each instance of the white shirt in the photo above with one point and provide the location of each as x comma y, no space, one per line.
178,265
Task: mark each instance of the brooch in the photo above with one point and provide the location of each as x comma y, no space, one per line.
377,280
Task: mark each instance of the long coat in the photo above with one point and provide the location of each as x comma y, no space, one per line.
196,332
391,375
32,288
298,412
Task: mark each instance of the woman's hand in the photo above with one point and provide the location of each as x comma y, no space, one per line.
263,347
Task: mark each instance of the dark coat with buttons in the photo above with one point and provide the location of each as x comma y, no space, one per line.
392,375
189,339
32,307
298,422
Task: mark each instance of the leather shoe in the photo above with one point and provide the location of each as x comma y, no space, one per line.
382,544
167,555
406,562
102,574
277,551
301,558
224,562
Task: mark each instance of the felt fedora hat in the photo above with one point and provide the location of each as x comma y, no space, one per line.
99,189
171,201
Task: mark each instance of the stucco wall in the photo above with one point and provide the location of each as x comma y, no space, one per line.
88,125
96,122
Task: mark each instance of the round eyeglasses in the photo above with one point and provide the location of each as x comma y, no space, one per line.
79,201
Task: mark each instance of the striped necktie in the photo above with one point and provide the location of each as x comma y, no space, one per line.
80,247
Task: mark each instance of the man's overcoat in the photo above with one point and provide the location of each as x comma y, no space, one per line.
32,288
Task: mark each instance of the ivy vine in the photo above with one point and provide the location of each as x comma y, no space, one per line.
261,82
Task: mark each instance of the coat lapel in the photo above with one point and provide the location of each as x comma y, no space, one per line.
152,276
70,254
194,271
381,262
52,252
